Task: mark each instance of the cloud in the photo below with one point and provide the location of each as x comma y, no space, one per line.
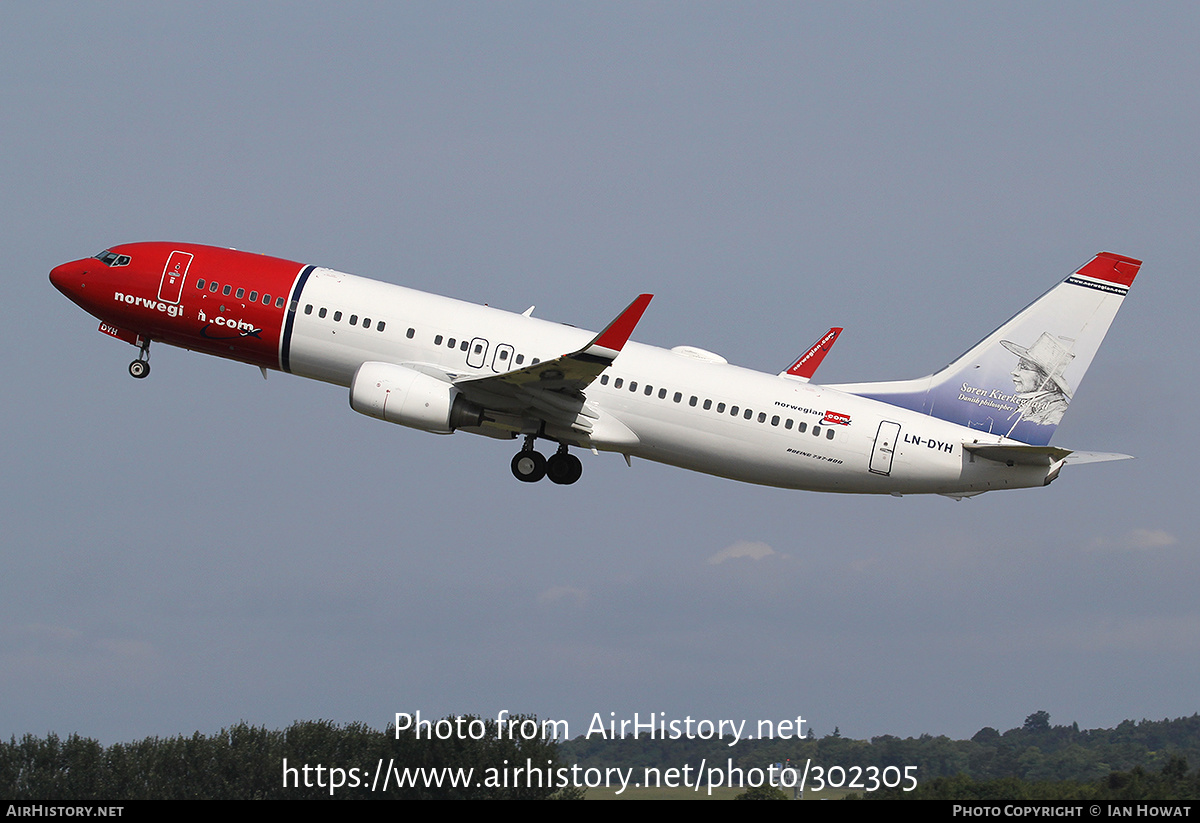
1136,540
742,548
1151,539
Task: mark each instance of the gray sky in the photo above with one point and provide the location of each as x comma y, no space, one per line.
203,547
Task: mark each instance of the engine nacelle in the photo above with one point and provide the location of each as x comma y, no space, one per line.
402,395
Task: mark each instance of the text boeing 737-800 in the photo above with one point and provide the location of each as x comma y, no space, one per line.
984,422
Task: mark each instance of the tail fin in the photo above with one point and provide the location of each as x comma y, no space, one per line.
1019,380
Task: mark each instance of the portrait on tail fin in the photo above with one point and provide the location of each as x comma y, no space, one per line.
1042,395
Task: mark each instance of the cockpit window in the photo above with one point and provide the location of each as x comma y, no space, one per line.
111,258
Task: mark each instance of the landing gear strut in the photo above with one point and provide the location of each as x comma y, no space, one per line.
141,367
562,468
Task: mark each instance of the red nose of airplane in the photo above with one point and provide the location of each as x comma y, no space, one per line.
69,278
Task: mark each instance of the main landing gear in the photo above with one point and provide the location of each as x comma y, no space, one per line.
141,367
562,468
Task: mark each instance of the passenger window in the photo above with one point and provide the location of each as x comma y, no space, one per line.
464,344
733,410
324,311
308,309
213,288
225,291
618,383
253,297
662,394
803,427
534,362
748,414
775,420
354,320
678,397
478,349
633,386
694,399
829,434
451,342
379,326
200,285
720,408
604,380
409,334
707,405
278,301
787,424
241,293
816,431
520,359
266,299
337,317
295,305
504,354
649,390
437,341
366,322
762,417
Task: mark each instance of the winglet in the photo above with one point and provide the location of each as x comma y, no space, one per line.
806,366
608,343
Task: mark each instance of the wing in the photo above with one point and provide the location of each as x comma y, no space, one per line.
553,391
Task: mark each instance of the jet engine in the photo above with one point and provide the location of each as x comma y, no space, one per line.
406,396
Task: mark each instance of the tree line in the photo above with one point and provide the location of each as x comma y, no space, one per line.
247,762
1036,751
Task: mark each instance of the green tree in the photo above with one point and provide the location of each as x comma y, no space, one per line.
1037,722
763,792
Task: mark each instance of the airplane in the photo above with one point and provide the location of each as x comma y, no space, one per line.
982,423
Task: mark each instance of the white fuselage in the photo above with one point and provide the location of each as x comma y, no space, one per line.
671,407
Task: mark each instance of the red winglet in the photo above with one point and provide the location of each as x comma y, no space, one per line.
806,366
1112,268
617,332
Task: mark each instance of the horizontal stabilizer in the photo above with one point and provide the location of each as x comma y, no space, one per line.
1014,454
1039,455
1079,458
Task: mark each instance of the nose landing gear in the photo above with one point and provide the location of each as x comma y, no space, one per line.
141,367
